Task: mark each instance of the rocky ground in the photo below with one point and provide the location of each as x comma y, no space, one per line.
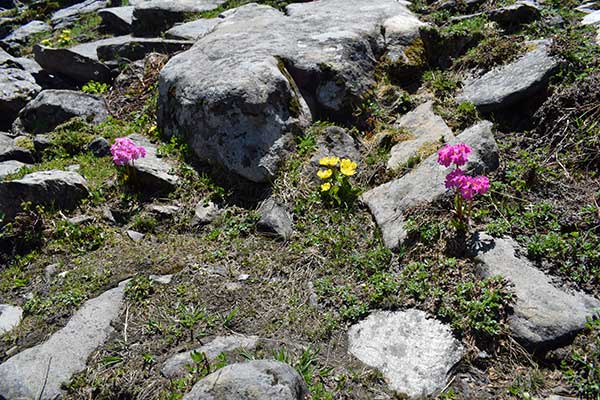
214,268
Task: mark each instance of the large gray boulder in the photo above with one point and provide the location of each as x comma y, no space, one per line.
17,88
9,150
427,130
415,353
545,315
50,364
60,189
425,184
176,365
21,35
152,17
254,380
242,91
41,76
54,107
507,85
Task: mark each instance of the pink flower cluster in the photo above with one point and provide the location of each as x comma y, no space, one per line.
124,151
457,154
467,186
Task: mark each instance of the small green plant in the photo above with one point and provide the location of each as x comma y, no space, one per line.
139,289
582,369
93,87
442,83
336,188
64,39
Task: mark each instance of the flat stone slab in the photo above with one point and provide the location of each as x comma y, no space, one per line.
10,167
17,88
415,353
176,365
254,380
10,317
154,175
64,354
426,129
152,17
425,184
545,315
22,34
53,107
193,30
61,189
509,84
67,16
117,19
242,90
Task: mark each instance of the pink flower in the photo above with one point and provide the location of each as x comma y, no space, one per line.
455,178
454,154
469,186
124,151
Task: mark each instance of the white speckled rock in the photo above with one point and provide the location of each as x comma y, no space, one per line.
10,316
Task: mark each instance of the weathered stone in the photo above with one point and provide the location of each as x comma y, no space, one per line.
10,151
153,175
41,142
176,365
254,380
80,220
117,19
99,147
21,35
42,77
135,236
10,317
545,315
133,49
335,142
241,91
54,107
17,88
193,30
163,211
415,353
152,17
425,184
162,279
505,86
521,12
275,219
65,17
426,128
591,19
206,212
10,167
55,361
55,188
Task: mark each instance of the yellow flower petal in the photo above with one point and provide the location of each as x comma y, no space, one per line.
324,174
347,167
325,187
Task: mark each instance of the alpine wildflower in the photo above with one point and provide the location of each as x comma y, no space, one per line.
325,174
347,167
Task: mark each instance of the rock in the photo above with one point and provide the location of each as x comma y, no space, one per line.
335,142
54,107
10,317
117,19
242,91
21,35
162,279
254,380
55,361
415,353
545,315
41,143
65,17
80,220
427,129
135,236
163,211
10,151
73,167
152,174
60,189
50,271
152,17
176,366
505,86
275,219
521,12
99,147
425,184
591,19
42,77
135,49
17,88
10,167
193,30
205,213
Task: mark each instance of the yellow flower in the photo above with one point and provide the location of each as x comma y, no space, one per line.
329,161
324,174
347,167
325,187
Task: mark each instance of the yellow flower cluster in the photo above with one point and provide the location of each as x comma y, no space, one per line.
346,167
